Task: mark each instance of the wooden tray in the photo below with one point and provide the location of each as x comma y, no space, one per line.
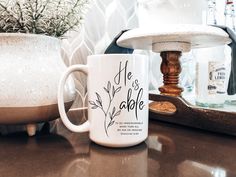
192,116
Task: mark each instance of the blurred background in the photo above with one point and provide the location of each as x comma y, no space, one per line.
106,18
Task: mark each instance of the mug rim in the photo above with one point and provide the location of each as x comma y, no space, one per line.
114,54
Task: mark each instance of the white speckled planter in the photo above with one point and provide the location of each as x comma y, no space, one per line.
30,69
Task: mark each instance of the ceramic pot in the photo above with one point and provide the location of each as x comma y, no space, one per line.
30,69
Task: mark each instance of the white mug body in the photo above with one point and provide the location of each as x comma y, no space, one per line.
118,99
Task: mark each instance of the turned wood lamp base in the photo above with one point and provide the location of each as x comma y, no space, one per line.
171,68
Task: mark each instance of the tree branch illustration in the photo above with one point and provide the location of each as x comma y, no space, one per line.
112,116
111,91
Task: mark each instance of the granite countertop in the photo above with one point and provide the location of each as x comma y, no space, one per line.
169,151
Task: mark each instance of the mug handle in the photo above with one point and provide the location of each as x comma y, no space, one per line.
75,128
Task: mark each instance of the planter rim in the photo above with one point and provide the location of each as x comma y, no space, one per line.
30,35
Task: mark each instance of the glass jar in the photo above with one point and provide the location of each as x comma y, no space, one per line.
211,77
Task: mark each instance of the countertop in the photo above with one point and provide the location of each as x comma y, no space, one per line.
169,151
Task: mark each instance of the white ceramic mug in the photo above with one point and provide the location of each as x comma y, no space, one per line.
118,99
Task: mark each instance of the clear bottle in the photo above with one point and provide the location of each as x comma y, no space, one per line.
210,82
229,21
211,12
210,77
229,14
